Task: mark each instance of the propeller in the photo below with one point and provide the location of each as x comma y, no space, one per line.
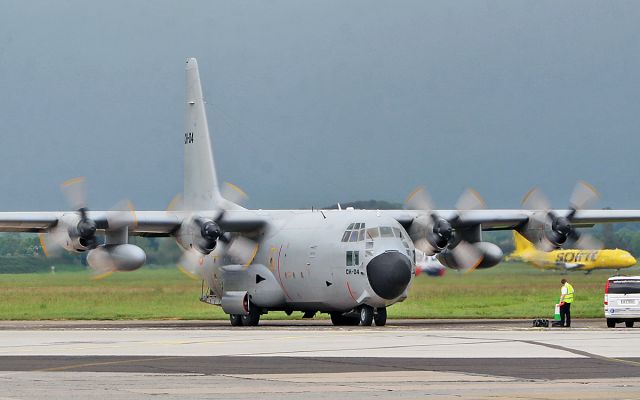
77,232
438,234
207,234
584,195
69,227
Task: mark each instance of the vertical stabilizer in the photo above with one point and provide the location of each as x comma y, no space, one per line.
521,243
201,190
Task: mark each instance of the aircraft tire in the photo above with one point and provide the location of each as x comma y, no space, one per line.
380,317
366,315
611,323
628,323
253,318
235,319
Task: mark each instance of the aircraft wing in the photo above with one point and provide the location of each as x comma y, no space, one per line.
569,266
499,219
147,223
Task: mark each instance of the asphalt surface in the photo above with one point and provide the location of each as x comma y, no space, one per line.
289,359
524,368
466,324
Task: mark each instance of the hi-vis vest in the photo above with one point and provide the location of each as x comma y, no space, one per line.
568,298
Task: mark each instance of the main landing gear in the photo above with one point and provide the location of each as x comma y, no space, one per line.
364,316
251,319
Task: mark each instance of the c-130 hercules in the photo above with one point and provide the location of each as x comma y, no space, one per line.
352,264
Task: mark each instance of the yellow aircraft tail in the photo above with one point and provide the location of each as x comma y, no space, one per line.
521,243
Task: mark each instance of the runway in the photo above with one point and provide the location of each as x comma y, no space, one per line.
119,360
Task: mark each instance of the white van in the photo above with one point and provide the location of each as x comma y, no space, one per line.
622,300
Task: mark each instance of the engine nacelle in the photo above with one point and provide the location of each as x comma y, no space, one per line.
201,234
435,231
547,228
117,257
76,235
492,255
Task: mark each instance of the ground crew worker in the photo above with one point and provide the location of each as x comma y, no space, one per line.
566,298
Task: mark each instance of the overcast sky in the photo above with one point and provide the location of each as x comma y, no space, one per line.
314,102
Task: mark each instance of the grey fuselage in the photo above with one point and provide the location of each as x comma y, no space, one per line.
307,261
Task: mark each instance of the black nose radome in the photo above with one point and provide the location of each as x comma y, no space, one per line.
389,274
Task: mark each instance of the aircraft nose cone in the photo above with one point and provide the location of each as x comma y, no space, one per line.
389,274
632,260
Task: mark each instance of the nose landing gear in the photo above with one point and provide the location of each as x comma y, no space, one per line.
363,316
366,315
380,317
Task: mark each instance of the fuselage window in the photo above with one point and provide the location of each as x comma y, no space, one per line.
386,231
397,232
353,258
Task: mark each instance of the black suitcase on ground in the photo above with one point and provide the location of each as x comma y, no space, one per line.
540,323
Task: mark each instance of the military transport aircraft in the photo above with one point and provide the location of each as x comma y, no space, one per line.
352,264
570,259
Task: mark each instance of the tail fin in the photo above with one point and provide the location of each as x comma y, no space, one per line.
521,243
201,190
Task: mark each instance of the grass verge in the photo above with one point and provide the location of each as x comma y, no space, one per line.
506,291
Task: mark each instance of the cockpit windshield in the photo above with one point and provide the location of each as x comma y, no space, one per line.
356,232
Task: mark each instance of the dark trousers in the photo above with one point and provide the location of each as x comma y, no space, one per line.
565,314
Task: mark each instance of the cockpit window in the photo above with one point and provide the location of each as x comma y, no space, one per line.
372,233
397,233
354,232
361,235
386,231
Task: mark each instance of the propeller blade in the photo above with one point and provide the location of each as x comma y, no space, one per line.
586,241
584,195
545,245
233,193
177,203
52,242
75,192
193,264
242,250
470,199
100,264
467,256
424,246
419,199
121,215
535,200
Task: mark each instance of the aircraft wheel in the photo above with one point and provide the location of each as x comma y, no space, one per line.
628,323
235,319
253,318
611,323
380,317
366,315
